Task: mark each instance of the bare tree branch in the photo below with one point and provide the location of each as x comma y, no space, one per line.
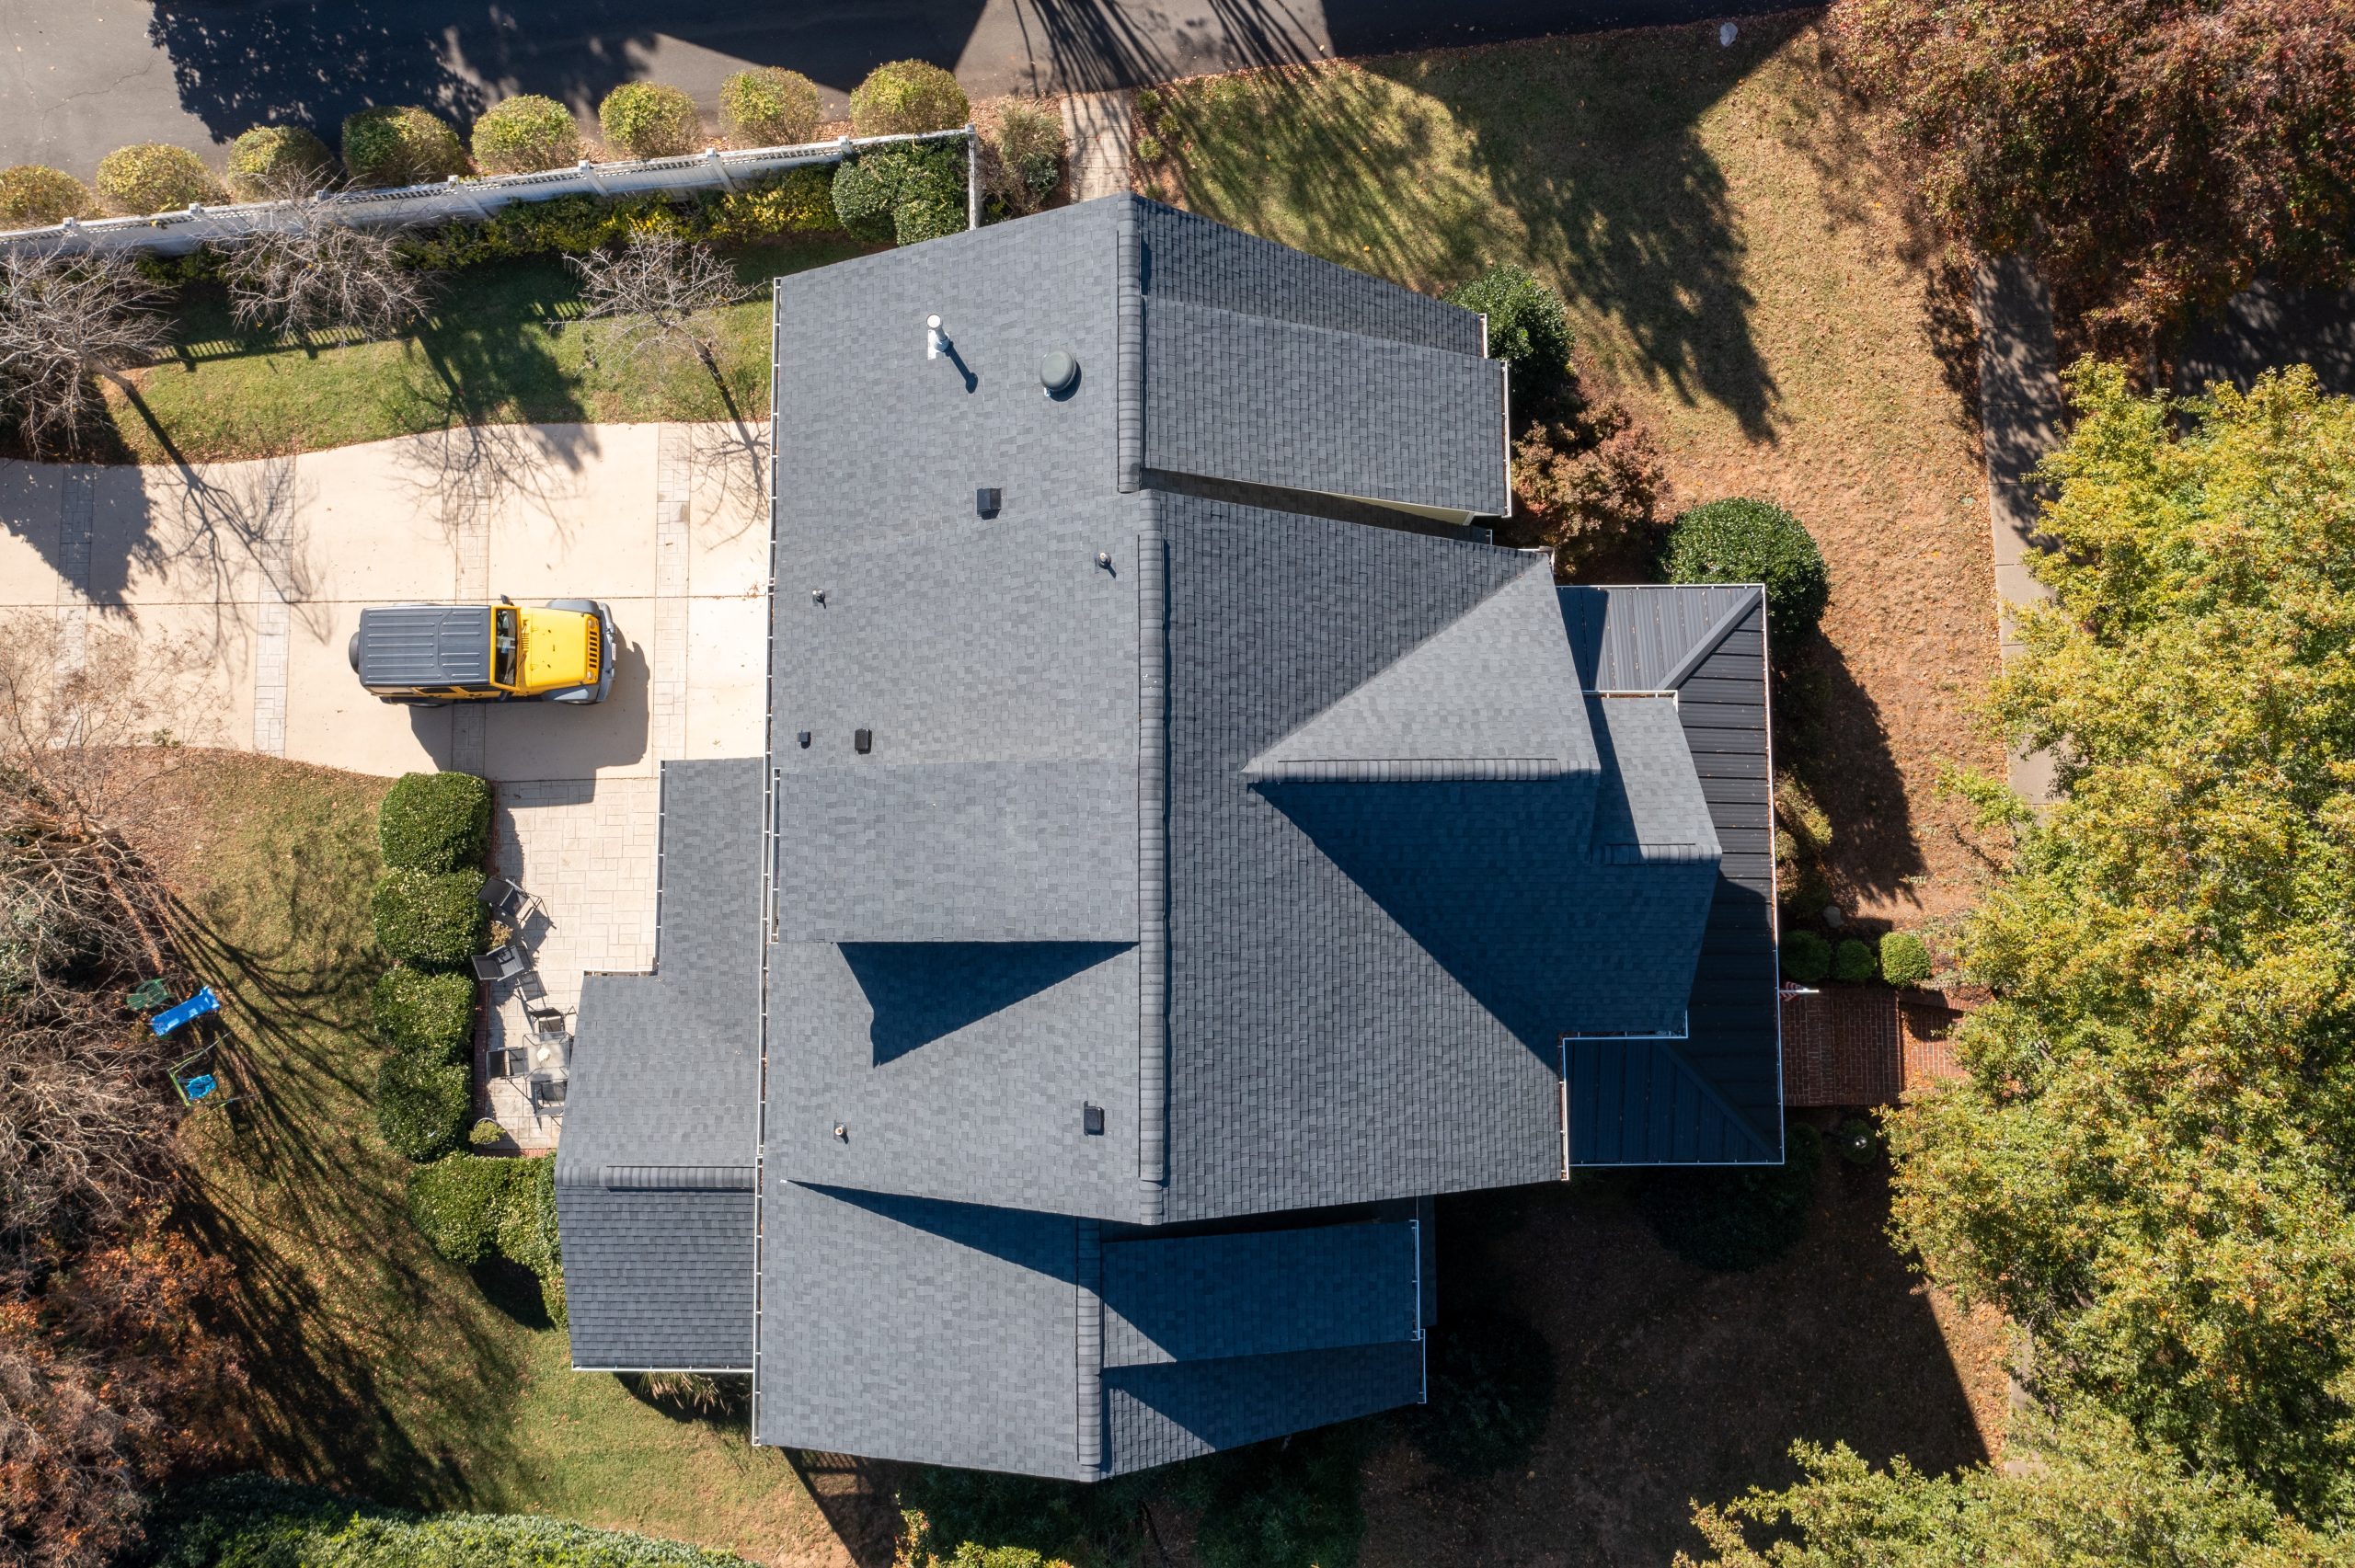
654,287
65,318
320,274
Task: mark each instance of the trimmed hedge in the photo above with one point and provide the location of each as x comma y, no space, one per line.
252,1521
429,917
400,145
903,194
525,134
33,196
1854,961
647,120
1904,959
456,1203
798,201
1747,541
1807,957
434,821
155,178
1733,1218
428,1012
422,1104
278,160
471,1208
1528,328
769,107
903,97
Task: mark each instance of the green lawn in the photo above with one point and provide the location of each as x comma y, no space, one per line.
373,1366
504,346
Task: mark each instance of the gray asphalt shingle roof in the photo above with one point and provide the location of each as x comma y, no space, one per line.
653,1178
1203,859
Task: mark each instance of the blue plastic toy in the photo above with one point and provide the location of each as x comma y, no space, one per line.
197,1088
197,1006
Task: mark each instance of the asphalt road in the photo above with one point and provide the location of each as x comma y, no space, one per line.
80,77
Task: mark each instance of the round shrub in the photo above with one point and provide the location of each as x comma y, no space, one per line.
429,917
1025,154
428,1012
422,1105
524,134
277,161
645,120
434,821
486,1134
901,194
1904,961
400,145
1745,540
902,97
33,196
1807,957
455,1204
155,178
1527,326
769,107
1491,1388
1736,1218
1856,1142
1854,962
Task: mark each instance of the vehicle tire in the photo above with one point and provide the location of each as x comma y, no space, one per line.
351,652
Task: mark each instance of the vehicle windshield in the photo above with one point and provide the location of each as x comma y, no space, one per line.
503,641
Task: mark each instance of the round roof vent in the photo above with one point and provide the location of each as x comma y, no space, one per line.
1058,373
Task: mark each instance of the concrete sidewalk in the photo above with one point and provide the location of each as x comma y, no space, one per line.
249,579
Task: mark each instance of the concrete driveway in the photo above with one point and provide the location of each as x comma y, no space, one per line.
248,579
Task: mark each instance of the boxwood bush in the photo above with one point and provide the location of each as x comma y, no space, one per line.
271,161
33,196
1747,541
422,1103
1527,327
903,97
400,145
426,1010
1736,1218
428,919
155,178
769,107
796,200
434,821
252,1521
456,1203
1904,959
524,134
903,194
645,120
1807,956
1854,962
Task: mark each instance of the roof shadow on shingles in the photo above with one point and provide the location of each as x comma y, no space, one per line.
922,991
1715,1095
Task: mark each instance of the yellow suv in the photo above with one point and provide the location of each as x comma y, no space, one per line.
425,655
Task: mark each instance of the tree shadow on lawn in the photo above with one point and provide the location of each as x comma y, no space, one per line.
1829,735
1675,1384
347,1326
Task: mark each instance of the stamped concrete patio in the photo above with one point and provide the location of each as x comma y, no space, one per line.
250,578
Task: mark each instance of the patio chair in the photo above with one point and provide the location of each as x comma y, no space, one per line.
499,964
548,1093
508,902
149,995
510,1061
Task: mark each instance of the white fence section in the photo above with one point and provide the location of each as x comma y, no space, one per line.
176,234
